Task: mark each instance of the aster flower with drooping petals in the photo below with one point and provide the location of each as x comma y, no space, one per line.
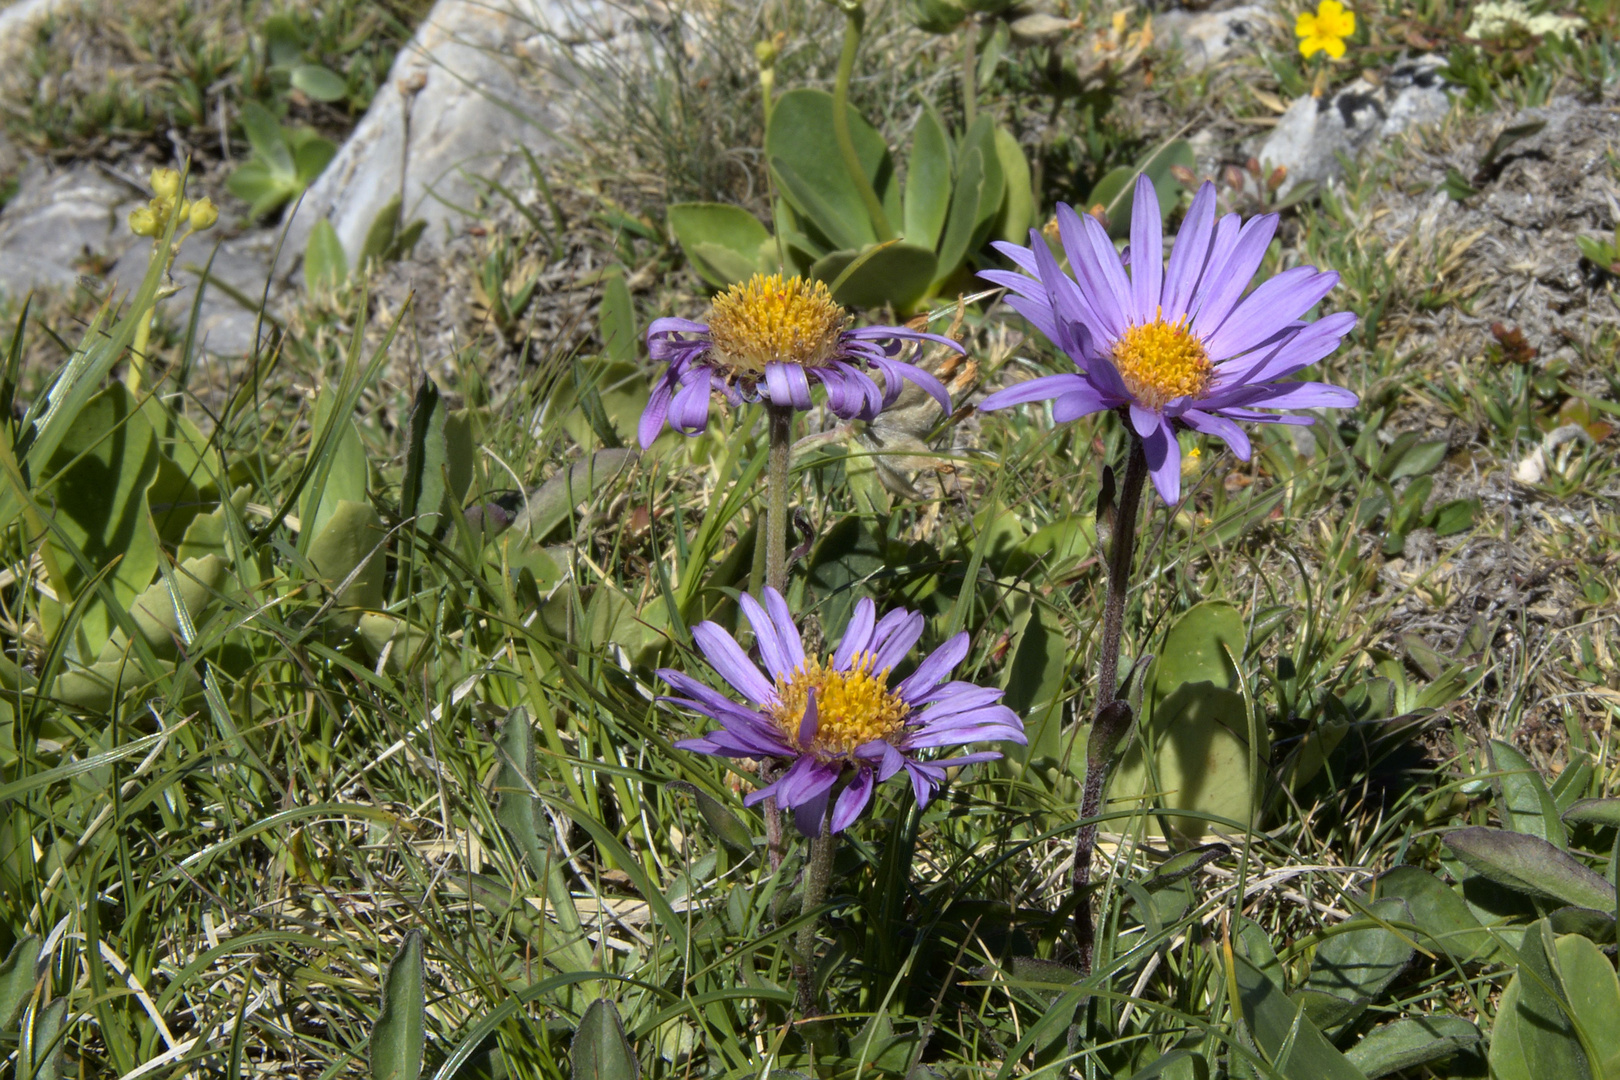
767,340
828,719
1178,346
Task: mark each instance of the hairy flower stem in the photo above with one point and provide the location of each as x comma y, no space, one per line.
1113,717
854,22
817,875
778,478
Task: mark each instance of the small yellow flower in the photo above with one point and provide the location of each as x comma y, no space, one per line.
165,183
1326,30
142,222
203,214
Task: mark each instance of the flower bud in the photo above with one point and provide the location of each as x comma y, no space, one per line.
766,52
142,222
203,214
165,183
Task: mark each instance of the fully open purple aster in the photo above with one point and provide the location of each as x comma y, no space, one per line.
828,719
767,340
1178,345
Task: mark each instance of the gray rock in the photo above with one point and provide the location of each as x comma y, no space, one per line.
63,223
1207,37
475,81
1314,131
225,325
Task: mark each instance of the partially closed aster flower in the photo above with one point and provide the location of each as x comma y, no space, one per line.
1177,346
828,719
768,340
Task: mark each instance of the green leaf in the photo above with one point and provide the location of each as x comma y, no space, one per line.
40,1055
895,274
325,264
928,181
96,492
197,584
726,826
724,243
400,1034
1360,958
1598,812
1018,204
1116,191
1540,1014
17,979
966,193
1440,912
1593,992
320,83
351,537
311,157
439,457
1526,804
1406,1044
982,136
1418,459
517,808
803,153
1281,1031
1530,865
264,133
381,233
550,505
617,319
600,1050
283,43
254,183
1034,678
1197,726
1456,516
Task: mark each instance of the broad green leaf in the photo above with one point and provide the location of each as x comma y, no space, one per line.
197,582
982,137
400,1034
96,494
1018,204
723,242
803,153
1116,191
40,1055
928,181
325,265
17,979
265,135
283,43
726,826
439,459
1436,907
319,82
352,536
897,275
1593,992
1360,958
600,1050
381,233
1541,1013
311,155
1406,1044
1034,679
1297,1049
617,319
549,506
1419,459
845,556
1526,804
1530,865
401,639
1176,1065
343,475
966,193
1598,812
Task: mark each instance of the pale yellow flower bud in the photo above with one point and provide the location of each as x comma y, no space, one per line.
203,214
142,222
165,183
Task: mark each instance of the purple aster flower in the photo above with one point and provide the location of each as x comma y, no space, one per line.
827,719
1176,346
767,340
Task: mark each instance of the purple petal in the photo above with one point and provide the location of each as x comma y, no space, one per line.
1227,282
787,385
973,759
1304,395
925,778
1145,420
894,650
889,760
652,418
924,381
886,628
707,701
1038,389
689,412
727,658
810,723
1147,251
1277,302
852,800
1081,402
1164,462
666,326
1220,427
806,779
768,639
1310,344
1188,253
1096,267
811,814
935,667
857,635
786,630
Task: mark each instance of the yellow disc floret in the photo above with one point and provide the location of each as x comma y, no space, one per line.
1162,361
774,319
853,707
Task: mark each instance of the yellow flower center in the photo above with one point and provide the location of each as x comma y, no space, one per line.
1162,361
775,319
853,707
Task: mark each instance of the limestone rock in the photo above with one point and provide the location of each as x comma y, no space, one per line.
475,81
1314,131
1208,37
60,224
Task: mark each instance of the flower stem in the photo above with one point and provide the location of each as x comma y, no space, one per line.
777,483
1113,717
817,875
854,22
